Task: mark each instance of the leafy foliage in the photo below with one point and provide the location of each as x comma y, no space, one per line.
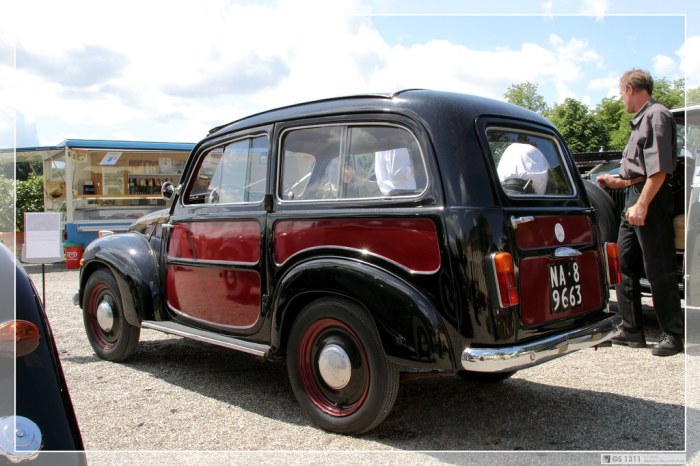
30,197
7,204
582,131
693,96
525,94
607,125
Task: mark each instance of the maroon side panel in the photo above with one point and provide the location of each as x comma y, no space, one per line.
411,243
224,297
535,305
209,293
542,231
231,241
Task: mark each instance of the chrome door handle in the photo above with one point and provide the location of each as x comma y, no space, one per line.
515,221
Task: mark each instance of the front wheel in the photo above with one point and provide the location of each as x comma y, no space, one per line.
110,335
337,367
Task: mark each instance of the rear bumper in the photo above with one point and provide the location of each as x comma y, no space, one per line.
511,358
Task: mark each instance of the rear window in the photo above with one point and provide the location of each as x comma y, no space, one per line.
345,162
528,163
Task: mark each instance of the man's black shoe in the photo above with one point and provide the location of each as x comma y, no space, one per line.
668,345
633,340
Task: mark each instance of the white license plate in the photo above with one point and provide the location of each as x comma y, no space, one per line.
564,286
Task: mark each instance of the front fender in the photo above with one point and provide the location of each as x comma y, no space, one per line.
409,325
130,258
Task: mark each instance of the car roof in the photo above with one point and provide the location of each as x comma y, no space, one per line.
413,101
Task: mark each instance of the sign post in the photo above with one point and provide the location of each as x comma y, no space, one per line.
42,242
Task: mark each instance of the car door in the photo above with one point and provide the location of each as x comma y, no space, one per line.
213,275
551,233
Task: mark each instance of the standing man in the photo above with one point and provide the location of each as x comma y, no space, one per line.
646,236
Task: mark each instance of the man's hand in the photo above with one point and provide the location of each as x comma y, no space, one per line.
636,214
606,180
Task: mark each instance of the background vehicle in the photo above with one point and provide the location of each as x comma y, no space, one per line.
362,237
691,117
36,412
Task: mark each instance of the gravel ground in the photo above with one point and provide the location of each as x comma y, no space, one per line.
191,403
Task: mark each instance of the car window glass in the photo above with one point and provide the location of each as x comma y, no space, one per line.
528,164
351,162
234,173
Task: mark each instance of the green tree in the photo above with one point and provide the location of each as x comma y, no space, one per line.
611,113
30,197
525,95
7,204
670,94
693,96
582,131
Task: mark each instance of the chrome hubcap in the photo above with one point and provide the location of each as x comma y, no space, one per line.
105,316
334,366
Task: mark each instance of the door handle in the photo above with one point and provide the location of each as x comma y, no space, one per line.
515,221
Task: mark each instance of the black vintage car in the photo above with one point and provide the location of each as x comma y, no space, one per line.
37,421
361,238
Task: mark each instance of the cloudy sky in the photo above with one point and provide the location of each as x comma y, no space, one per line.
169,70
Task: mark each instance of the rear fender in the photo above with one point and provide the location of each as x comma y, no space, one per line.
132,262
409,326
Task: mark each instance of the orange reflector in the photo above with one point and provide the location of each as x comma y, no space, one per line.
612,257
20,336
505,279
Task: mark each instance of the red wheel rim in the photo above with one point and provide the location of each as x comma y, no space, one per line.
105,339
336,402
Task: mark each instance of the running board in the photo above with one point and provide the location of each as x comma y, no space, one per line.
256,349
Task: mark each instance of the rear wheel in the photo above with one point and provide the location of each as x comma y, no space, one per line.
606,211
110,335
338,369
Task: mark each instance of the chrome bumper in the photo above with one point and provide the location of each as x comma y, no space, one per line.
511,358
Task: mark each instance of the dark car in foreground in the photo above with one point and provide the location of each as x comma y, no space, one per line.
361,238
37,421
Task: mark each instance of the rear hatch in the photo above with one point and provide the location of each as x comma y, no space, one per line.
558,262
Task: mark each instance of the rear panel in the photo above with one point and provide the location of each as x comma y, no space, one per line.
550,229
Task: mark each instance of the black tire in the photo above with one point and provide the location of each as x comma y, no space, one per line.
485,377
358,392
109,334
607,212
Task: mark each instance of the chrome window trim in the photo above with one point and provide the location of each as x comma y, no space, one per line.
205,151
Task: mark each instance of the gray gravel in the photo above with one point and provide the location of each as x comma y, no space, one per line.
191,403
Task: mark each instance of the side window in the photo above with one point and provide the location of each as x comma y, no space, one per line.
528,164
351,162
235,173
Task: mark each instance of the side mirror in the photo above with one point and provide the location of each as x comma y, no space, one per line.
168,191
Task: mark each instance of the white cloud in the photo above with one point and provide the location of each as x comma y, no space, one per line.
690,61
171,71
663,65
596,8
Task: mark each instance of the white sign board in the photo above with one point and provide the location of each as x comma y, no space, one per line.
42,237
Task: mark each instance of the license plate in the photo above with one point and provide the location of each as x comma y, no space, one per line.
564,286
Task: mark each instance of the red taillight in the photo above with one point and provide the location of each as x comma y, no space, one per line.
19,337
612,258
505,279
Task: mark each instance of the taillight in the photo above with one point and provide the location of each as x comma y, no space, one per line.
505,279
19,337
612,259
